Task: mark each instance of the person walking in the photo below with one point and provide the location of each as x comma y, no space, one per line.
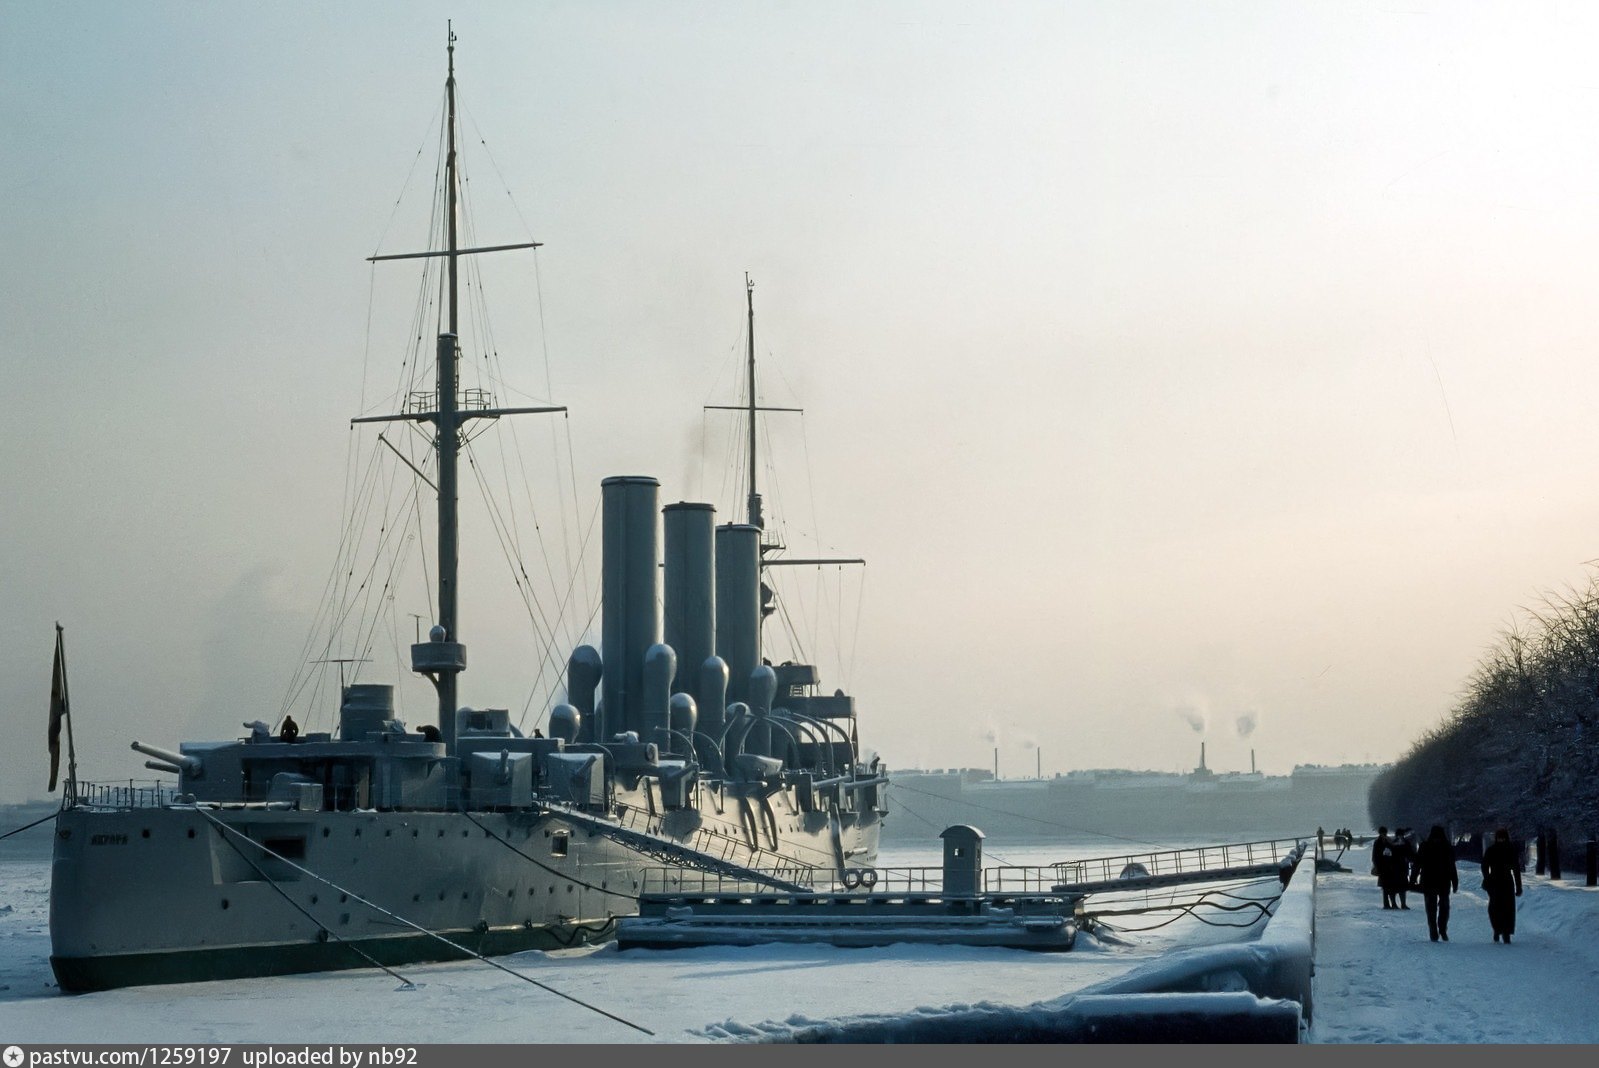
1382,866
1436,873
1404,861
1501,877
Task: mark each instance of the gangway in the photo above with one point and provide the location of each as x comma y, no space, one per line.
1177,867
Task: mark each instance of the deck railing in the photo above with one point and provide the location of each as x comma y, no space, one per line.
135,793
1176,861
997,880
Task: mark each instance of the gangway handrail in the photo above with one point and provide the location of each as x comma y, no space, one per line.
1183,861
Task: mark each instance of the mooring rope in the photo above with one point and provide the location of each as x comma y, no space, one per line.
419,928
273,883
29,826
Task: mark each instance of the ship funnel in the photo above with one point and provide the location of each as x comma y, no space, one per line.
583,673
738,604
632,622
690,596
660,665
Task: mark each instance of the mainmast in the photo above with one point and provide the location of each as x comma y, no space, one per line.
443,656
449,439
450,185
754,519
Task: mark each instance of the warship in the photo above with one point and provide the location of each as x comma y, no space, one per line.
677,747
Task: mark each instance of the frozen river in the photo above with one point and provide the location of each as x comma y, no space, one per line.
682,996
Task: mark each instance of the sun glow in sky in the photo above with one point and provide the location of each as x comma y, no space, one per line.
1183,371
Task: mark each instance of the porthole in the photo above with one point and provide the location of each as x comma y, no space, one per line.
191,832
145,833
326,831
313,899
225,903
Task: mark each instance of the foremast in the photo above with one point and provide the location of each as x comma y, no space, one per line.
754,515
443,656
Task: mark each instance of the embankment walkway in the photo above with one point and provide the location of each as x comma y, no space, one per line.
1380,979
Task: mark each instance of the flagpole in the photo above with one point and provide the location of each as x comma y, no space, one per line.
69,795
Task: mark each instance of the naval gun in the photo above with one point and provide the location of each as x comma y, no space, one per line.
167,760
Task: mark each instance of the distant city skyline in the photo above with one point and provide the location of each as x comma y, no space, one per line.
1183,371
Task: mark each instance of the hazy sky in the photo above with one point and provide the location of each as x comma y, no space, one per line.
1170,363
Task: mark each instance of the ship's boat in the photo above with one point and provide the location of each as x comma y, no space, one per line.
676,747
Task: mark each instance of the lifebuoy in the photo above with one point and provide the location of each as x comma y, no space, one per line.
851,879
869,878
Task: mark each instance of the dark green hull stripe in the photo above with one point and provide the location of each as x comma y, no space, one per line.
83,974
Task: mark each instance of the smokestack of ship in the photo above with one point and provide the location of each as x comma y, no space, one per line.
690,602
738,605
631,624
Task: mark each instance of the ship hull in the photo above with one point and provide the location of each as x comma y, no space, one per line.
91,973
176,894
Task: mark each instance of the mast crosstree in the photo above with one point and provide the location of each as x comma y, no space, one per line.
754,516
443,656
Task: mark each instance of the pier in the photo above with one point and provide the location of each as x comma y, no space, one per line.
961,902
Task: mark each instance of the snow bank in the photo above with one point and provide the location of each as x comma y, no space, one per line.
1219,1017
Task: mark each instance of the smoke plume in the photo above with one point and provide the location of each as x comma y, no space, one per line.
1193,716
1247,722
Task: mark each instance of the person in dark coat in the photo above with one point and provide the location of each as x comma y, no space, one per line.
1382,866
1404,860
1438,877
1501,877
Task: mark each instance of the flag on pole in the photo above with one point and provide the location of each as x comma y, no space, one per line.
58,706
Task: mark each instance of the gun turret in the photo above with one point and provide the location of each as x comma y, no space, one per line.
189,765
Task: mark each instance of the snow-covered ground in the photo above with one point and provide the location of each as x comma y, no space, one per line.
684,996
1380,979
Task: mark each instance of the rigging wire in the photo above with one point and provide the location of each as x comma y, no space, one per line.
35,823
549,652
322,928
418,927
508,844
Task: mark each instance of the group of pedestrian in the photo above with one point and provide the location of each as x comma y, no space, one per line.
1401,865
1391,861
1342,838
